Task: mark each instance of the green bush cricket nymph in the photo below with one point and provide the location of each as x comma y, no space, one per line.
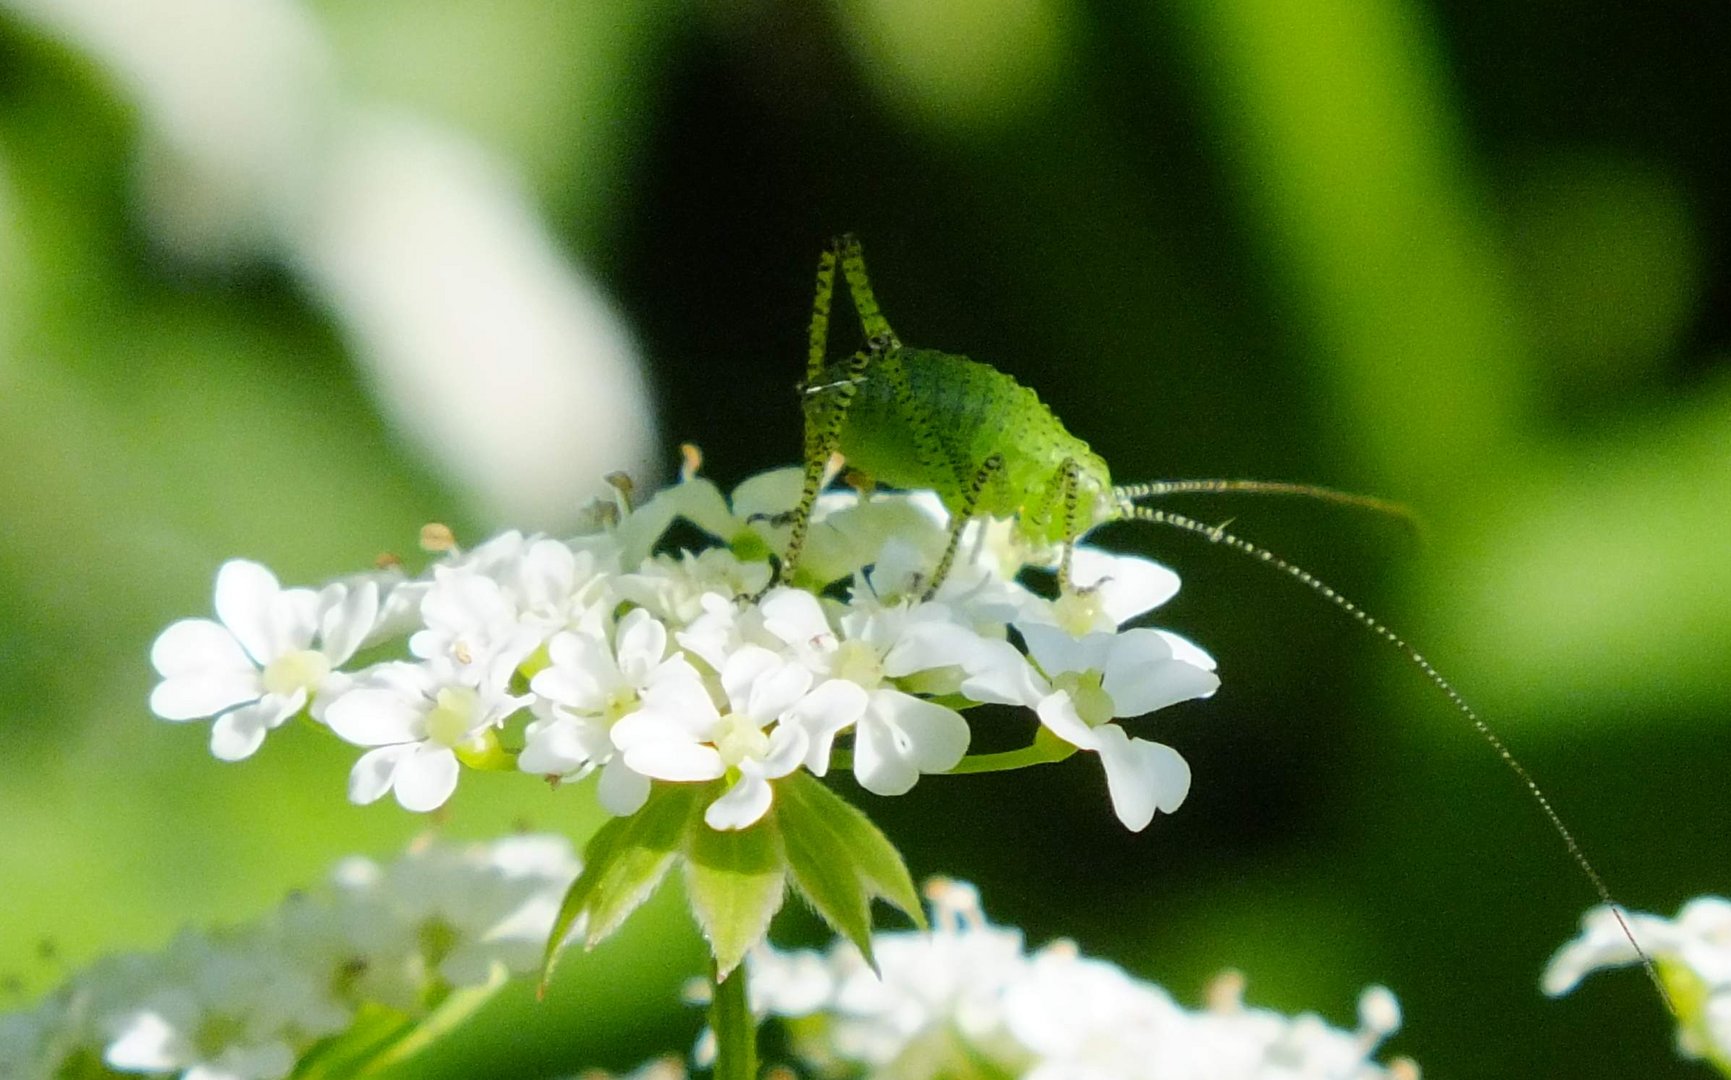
920,418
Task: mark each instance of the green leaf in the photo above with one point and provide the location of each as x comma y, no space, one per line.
623,863
736,880
839,859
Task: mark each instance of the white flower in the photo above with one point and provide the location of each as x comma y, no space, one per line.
489,907
677,734
970,999
488,610
223,1008
1106,591
274,651
900,735
590,686
1102,677
1692,953
675,588
248,1003
744,523
726,624
416,716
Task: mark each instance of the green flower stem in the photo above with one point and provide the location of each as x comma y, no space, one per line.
735,1028
1046,749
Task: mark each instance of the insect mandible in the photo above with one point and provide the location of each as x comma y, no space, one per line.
989,447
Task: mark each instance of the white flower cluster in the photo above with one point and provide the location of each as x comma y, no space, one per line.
1692,953
647,665
248,1003
969,999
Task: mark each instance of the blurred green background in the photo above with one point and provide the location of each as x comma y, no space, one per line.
1474,256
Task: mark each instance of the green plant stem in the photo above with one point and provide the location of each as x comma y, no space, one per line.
1046,749
734,1026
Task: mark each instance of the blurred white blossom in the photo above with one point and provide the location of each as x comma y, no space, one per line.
249,1002
969,998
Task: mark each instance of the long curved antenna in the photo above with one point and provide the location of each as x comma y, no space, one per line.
1154,488
1219,535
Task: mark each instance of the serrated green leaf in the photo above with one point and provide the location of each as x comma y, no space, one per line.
839,860
736,880
623,863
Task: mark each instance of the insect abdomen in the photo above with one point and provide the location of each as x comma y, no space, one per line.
921,418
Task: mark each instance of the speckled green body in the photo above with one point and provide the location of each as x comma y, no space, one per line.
919,418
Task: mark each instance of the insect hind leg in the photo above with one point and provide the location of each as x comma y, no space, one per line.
818,336
853,271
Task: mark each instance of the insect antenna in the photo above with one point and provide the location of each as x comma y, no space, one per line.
1219,535
1152,488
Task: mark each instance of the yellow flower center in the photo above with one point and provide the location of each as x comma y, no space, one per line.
740,739
619,704
302,670
1078,611
1093,704
858,662
453,715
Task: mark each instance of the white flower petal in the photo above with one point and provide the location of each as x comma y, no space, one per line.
831,708
901,736
1059,715
1127,585
237,735
559,747
376,717
581,675
348,614
787,748
776,691
198,647
676,708
1139,689
1140,674
1142,776
196,697
622,790
1188,651
931,643
795,616
1000,674
666,759
1056,651
642,644
742,805
371,775
246,592
740,674
425,777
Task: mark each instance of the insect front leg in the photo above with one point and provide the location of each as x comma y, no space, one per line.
826,411
984,475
